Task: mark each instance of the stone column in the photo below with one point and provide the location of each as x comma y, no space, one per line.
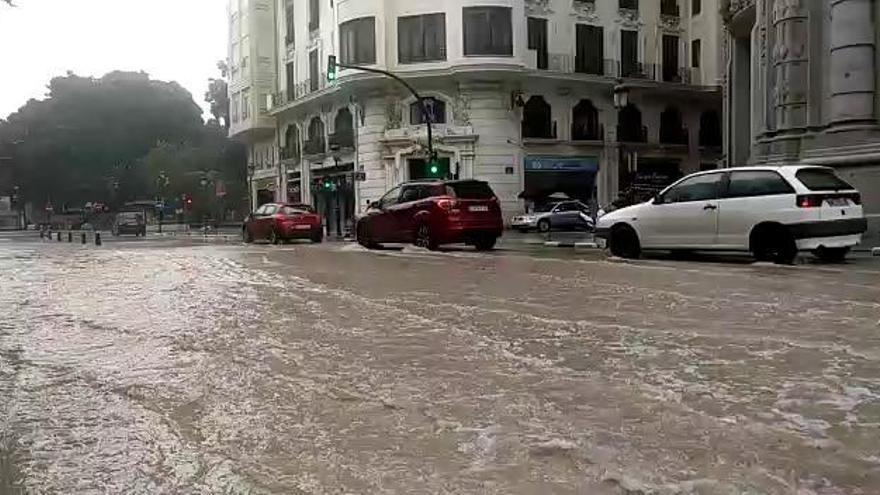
791,58
852,62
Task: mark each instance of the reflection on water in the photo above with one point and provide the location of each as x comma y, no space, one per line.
226,370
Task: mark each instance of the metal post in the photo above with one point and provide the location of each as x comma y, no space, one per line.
83,237
97,239
59,236
70,237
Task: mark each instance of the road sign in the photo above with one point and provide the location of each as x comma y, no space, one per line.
360,176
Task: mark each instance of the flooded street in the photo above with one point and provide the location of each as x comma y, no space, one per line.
160,367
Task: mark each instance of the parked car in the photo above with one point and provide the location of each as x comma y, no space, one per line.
129,222
563,215
432,213
277,223
772,212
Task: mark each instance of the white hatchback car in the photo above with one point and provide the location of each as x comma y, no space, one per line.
772,212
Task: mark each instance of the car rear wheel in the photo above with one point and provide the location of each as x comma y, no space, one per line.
486,243
624,242
831,255
774,243
425,238
544,226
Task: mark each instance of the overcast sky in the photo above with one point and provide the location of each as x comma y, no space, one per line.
172,40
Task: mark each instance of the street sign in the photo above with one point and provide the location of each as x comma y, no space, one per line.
360,176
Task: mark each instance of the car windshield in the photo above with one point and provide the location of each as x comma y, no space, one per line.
470,190
821,179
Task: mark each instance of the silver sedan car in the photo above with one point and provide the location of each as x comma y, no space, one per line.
564,215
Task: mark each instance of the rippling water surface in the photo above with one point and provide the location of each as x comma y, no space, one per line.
209,369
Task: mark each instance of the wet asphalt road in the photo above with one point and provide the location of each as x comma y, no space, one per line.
164,366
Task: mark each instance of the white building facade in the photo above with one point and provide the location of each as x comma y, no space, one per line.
590,99
801,87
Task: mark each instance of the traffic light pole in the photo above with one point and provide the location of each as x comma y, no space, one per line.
425,116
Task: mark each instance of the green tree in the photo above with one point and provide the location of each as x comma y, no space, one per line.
84,140
218,96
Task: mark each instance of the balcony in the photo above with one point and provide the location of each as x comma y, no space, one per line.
626,134
637,70
677,137
342,140
314,147
291,153
297,91
587,133
538,131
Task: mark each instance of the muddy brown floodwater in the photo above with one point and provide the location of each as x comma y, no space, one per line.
163,368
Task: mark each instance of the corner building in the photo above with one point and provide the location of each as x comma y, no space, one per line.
592,99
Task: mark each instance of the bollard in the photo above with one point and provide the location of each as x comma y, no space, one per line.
70,237
42,234
97,238
59,237
83,238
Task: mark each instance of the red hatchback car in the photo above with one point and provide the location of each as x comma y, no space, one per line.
277,223
429,214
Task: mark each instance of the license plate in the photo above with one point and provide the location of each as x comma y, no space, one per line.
302,227
478,208
837,202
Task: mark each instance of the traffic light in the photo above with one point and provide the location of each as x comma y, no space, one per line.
433,166
187,200
331,69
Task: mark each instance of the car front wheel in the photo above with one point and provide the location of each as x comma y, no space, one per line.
831,255
624,242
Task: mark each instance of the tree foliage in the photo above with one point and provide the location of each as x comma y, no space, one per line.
88,139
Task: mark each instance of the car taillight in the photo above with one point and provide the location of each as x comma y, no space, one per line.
809,201
449,205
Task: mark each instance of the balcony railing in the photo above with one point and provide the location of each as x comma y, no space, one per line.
289,153
298,90
627,134
674,136
567,63
314,147
342,140
587,133
538,132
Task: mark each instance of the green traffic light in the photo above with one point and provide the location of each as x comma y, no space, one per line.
435,169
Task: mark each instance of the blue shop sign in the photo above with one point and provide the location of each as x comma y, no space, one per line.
562,164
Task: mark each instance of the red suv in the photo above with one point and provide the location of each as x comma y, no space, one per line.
281,222
429,214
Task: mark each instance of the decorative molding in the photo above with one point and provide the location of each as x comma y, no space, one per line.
393,115
461,110
670,23
538,7
585,11
629,18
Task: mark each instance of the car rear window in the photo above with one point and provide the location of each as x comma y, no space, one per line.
296,210
470,190
821,179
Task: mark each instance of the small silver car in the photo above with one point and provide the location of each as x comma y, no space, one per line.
563,215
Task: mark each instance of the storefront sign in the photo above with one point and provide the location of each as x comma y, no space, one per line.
561,164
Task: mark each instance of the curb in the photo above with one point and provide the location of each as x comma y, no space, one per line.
575,245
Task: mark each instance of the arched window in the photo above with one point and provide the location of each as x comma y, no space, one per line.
710,129
629,125
537,119
671,130
585,124
316,144
436,111
343,137
291,143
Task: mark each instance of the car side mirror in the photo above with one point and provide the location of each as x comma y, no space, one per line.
658,200
374,205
